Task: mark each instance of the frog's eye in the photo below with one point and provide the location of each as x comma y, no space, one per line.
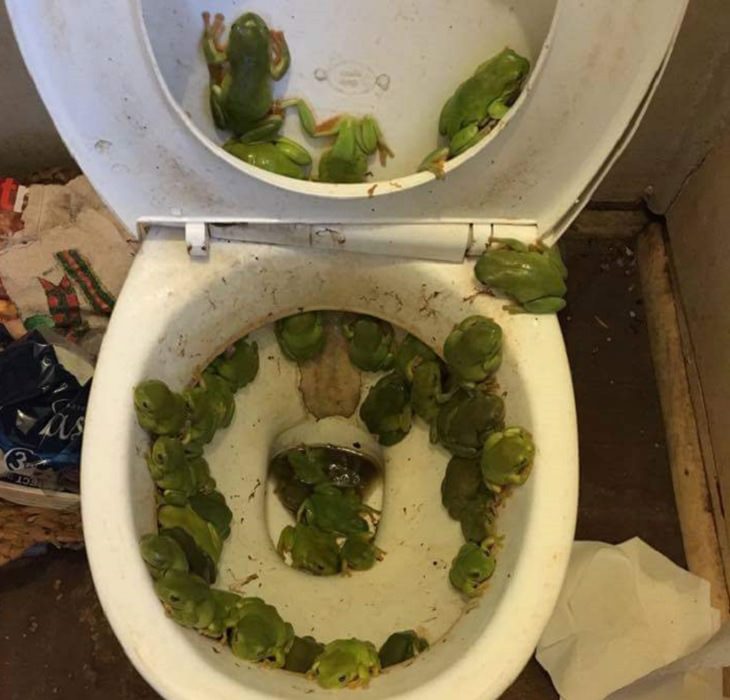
342,679
146,405
174,598
160,458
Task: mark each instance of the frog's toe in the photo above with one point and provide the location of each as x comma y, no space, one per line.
435,162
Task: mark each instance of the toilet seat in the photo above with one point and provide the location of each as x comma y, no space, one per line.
115,102
539,520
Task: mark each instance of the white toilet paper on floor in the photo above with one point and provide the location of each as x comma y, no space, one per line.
626,611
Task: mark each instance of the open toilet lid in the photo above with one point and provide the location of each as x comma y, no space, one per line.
106,73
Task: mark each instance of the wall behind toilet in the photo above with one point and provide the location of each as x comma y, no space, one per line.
684,120
28,139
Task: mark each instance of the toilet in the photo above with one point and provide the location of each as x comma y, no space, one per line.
228,249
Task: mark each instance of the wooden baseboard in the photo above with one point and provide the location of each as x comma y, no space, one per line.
698,505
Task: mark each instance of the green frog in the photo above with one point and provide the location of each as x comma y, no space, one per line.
369,343
357,138
301,336
311,549
480,100
534,276
400,647
466,419
507,458
473,349
162,554
472,567
332,510
411,352
359,553
386,410
346,663
260,634
302,655
241,74
238,365
160,411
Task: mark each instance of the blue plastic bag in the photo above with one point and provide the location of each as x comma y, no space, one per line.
42,412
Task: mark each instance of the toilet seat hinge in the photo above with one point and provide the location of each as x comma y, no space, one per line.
197,239
420,240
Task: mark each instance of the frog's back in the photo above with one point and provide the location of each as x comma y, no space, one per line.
250,93
494,78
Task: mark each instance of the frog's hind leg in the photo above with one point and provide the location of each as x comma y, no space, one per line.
280,56
435,162
370,138
304,112
265,130
464,139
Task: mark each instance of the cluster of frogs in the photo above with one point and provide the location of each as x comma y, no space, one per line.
194,521
456,396
242,102
335,529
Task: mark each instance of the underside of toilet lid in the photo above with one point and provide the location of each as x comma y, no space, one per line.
96,65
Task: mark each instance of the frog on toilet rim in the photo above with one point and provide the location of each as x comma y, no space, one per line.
228,248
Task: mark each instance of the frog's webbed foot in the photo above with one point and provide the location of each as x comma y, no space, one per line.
280,57
215,51
435,162
384,152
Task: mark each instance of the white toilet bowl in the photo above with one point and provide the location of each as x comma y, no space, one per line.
171,318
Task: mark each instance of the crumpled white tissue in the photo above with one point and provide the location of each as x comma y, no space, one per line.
625,612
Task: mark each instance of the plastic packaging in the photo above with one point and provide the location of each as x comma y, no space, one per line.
42,411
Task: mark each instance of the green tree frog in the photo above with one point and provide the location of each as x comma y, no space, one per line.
480,100
473,349
302,655
466,419
346,161
369,343
346,663
400,647
332,510
301,337
203,533
386,410
471,569
212,508
410,352
533,276
160,411
311,549
161,554
239,364
507,458
359,553
260,633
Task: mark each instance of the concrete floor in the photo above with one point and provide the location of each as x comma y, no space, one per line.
56,643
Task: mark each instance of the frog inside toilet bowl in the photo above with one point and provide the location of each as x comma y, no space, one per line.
230,248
